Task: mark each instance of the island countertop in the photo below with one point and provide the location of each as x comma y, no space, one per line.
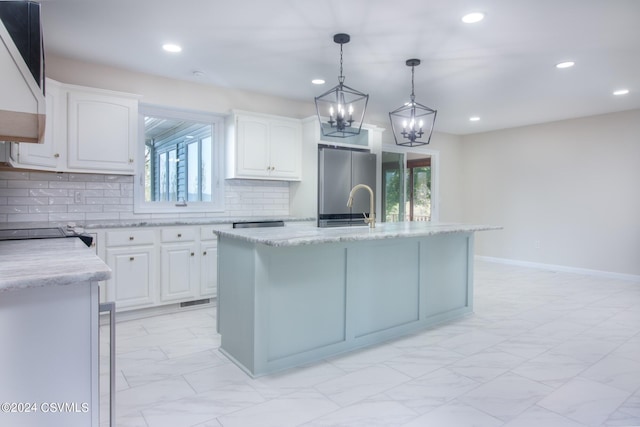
306,234
47,262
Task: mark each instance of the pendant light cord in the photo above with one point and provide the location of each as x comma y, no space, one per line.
413,96
341,77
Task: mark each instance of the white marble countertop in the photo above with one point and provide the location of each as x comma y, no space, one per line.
305,234
48,262
155,222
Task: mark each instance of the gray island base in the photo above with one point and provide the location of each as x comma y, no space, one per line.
298,294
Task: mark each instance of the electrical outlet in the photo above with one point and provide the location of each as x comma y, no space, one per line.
536,244
77,197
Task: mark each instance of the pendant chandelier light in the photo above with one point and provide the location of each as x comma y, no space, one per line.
343,105
412,124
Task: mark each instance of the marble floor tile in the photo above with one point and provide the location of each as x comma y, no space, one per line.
295,379
585,348
366,414
418,363
216,378
527,345
201,408
487,365
141,374
432,390
585,401
507,396
455,414
359,385
136,399
551,369
615,371
290,410
472,342
536,416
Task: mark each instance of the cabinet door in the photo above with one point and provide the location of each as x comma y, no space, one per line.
209,268
48,155
285,155
178,271
131,283
102,131
252,147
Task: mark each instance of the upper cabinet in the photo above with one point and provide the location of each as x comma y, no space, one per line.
264,147
88,130
102,130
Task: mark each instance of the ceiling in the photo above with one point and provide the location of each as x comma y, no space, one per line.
501,69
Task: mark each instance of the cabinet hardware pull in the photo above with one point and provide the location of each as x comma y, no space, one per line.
56,155
130,160
204,253
131,258
193,254
179,235
130,237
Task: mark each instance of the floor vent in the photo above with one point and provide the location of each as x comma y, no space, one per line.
196,302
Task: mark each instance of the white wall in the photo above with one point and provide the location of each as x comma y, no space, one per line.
173,93
567,193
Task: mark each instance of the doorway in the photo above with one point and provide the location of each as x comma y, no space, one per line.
407,184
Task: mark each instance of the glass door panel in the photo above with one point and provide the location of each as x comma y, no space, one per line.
393,187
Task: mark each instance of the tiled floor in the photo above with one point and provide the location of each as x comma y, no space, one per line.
542,349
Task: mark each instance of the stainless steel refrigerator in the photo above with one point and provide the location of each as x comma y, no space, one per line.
339,170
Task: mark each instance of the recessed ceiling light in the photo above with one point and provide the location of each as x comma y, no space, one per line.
317,81
621,92
565,64
474,119
173,48
472,18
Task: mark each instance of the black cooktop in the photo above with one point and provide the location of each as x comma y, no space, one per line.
31,233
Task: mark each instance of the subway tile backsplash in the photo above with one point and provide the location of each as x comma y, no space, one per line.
59,197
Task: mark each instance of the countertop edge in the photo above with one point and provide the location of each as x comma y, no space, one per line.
40,263
313,235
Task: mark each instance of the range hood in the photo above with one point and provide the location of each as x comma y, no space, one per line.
22,104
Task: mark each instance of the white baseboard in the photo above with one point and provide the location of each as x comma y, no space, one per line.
562,268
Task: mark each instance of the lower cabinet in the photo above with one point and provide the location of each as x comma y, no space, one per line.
132,257
209,268
179,271
158,266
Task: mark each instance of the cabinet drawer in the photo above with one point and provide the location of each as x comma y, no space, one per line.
130,237
178,234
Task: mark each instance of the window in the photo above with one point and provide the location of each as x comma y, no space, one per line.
182,161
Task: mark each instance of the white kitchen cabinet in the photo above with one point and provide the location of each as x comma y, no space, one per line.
155,266
208,262
179,271
264,147
50,155
102,131
87,130
131,254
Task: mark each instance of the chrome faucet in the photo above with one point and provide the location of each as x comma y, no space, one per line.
371,219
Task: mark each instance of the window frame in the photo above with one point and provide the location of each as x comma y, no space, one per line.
217,163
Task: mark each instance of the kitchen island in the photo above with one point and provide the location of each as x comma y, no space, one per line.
49,332
296,294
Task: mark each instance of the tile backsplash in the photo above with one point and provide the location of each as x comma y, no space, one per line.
59,197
